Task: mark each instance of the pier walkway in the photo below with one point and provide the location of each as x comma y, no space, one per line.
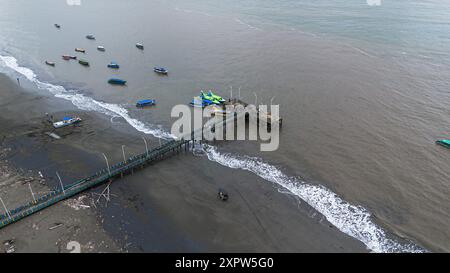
118,170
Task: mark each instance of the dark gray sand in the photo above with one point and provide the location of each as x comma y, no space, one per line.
170,206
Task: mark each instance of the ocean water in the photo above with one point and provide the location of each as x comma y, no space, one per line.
363,91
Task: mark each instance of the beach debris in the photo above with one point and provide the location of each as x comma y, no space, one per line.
9,246
57,225
77,203
117,81
222,195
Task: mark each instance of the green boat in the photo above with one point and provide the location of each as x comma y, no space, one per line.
444,142
215,97
83,62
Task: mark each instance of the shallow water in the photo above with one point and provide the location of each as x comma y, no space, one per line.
361,108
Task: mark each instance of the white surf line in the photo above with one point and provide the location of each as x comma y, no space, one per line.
354,221
83,102
350,219
239,21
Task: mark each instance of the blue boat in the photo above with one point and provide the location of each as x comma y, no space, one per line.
161,70
113,65
200,103
117,81
143,103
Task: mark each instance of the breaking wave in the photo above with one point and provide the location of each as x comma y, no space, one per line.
83,102
353,220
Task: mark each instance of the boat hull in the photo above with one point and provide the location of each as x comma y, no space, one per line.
443,143
117,81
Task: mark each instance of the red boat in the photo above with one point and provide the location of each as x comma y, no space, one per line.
68,57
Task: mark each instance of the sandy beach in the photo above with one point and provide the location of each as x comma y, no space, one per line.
156,209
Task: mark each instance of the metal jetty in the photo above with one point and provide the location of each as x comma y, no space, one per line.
101,177
118,170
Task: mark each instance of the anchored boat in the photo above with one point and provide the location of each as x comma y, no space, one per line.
50,63
113,65
117,81
140,46
82,50
66,122
143,103
68,57
444,142
101,48
57,26
211,98
83,62
161,70
90,37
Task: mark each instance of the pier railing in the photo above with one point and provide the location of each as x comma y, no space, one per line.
100,177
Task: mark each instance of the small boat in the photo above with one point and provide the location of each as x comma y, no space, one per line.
80,50
66,122
140,46
57,25
101,48
49,63
143,103
113,65
68,57
199,102
209,98
160,70
117,81
83,62
90,37
444,142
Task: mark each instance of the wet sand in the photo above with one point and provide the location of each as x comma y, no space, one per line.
170,206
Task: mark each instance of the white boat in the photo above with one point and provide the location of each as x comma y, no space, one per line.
101,48
66,122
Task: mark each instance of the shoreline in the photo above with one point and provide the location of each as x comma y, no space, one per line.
146,217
